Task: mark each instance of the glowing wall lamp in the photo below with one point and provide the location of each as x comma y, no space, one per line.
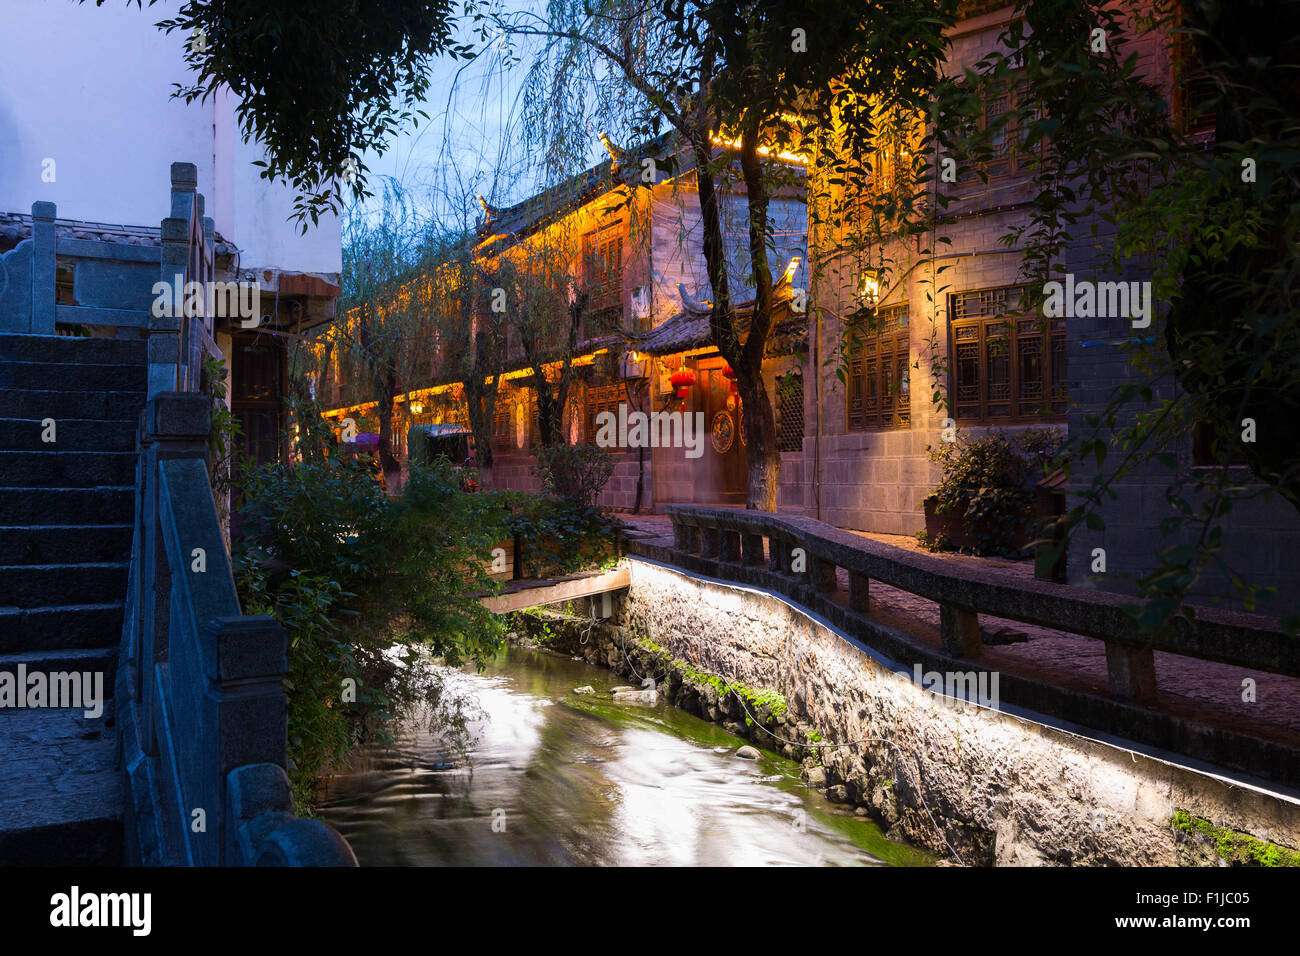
869,288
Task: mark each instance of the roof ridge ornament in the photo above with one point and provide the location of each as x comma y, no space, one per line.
617,154
787,277
692,305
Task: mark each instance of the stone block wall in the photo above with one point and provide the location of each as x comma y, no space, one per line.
1004,789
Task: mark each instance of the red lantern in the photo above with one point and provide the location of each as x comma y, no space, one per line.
682,380
729,374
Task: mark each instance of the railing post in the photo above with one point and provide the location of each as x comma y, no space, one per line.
686,534
165,345
752,549
1132,671
709,542
859,592
779,555
43,267
959,630
728,545
821,574
174,425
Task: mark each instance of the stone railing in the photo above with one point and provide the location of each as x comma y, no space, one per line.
799,557
200,700
114,283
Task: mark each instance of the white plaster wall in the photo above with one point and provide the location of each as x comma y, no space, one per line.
90,88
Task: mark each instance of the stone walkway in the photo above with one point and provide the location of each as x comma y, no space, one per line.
1186,685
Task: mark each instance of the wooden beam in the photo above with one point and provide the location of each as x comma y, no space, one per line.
555,591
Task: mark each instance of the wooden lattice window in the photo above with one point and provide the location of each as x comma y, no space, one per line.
1007,365
879,360
789,412
503,421
1008,155
1193,89
603,254
603,398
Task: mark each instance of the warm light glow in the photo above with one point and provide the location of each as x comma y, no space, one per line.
869,289
416,408
781,154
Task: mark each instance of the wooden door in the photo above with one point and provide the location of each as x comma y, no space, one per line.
256,395
724,463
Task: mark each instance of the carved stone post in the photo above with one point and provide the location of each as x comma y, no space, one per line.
43,268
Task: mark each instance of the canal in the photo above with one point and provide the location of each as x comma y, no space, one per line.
511,767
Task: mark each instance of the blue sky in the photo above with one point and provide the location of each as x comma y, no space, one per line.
473,141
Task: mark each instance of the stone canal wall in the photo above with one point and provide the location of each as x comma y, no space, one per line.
1004,788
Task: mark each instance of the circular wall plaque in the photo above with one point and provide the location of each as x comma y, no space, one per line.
723,432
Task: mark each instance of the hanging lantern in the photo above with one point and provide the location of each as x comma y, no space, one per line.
682,380
730,375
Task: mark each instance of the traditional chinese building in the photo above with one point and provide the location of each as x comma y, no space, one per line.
951,319
626,234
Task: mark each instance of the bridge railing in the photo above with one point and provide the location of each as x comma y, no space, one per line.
732,537
114,283
200,701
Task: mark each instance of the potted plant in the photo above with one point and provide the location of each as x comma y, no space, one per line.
985,502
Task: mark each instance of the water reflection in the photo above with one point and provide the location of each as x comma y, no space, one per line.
555,778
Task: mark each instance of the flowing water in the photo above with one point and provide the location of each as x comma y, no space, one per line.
550,777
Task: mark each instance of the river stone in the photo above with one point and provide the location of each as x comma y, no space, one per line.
588,689
747,753
815,776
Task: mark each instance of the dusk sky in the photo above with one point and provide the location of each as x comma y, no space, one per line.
473,141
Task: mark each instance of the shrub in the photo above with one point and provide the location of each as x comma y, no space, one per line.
577,473
558,536
991,478
352,574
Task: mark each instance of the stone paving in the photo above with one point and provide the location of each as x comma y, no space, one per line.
1186,685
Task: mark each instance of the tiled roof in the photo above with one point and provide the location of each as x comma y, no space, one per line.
689,329
17,226
519,220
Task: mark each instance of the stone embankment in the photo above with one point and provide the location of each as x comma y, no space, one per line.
971,783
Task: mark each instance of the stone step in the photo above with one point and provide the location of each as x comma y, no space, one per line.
66,469
40,404
72,349
71,434
64,544
46,506
42,585
96,660
60,627
62,800
56,376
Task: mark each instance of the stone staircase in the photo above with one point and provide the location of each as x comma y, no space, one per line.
66,512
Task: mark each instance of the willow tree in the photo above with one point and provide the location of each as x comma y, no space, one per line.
386,331
754,75
539,290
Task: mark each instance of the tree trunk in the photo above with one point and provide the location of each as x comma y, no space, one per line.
759,421
388,463
760,438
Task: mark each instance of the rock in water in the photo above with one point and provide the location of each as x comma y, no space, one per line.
747,753
636,696
584,690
